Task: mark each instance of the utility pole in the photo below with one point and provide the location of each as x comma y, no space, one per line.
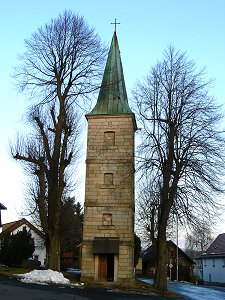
177,250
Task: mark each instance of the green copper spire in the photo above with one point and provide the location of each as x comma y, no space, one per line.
112,97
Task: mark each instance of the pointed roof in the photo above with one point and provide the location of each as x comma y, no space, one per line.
150,255
2,206
112,97
217,246
10,227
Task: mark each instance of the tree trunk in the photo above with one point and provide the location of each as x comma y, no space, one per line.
161,250
54,253
161,261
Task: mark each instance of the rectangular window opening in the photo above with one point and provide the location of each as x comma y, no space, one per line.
108,178
107,219
109,138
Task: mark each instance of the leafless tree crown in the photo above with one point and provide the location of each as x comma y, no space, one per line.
181,137
181,147
59,70
62,59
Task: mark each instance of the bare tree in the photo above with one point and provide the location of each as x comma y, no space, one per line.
181,144
60,68
199,238
146,212
147,202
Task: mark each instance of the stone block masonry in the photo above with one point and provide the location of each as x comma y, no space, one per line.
109,199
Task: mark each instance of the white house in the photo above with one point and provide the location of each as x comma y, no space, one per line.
213,262
36,234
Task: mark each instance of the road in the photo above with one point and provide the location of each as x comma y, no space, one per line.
13,289
194,292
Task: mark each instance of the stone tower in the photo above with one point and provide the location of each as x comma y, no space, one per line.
108,233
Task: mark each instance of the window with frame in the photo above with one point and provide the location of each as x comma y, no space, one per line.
109,138
108,178
107,219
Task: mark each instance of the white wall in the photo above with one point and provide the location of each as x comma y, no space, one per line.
214,269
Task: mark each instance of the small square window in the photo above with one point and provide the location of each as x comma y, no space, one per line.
109,138
108,178
107,219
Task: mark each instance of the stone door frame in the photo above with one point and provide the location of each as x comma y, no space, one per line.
97,267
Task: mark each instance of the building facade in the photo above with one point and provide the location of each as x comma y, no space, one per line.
38,237
175,255
213,268
212,263
108,231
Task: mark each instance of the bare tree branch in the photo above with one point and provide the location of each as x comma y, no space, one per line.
181,143
61,66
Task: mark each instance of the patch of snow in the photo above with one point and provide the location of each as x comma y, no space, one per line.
44,277
27,280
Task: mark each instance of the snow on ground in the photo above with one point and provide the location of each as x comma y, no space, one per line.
46,277
194,292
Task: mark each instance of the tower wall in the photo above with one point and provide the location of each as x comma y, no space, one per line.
109,196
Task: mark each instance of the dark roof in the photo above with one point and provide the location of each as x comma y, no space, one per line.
182,252
217,246
212,255
10,227
112,97
2,206
149,253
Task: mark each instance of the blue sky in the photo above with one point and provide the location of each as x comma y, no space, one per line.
147,28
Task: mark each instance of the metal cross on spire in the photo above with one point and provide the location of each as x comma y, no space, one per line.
115,23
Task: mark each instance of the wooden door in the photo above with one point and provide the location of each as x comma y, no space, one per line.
102,268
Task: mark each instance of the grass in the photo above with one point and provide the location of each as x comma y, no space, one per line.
137,287
72,278
146,287
11,271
